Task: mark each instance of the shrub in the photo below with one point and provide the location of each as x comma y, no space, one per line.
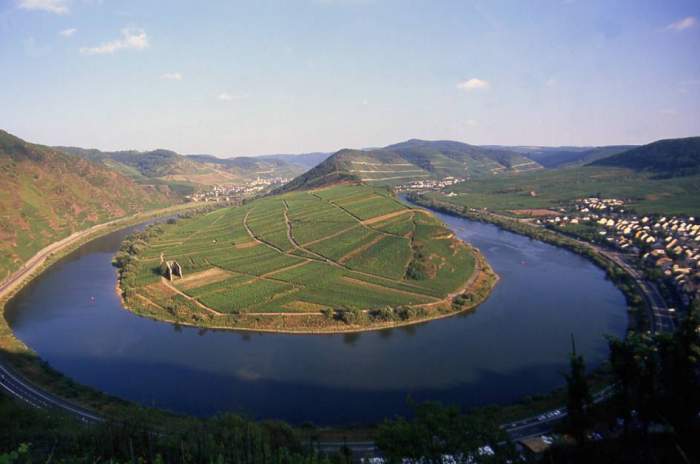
385,314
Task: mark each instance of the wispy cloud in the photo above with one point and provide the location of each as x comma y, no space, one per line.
135,39
173,76
51,6
225,96
471,123
473,84
683,24
68,32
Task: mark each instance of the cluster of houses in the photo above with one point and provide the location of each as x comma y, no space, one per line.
428,184
233,192
669,244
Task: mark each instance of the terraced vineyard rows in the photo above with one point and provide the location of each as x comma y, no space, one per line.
335,256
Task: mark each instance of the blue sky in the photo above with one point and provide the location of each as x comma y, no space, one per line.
250,77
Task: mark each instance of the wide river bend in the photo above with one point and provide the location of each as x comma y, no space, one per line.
514,344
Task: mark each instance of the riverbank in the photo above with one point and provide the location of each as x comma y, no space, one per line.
23,364
628,283
248,344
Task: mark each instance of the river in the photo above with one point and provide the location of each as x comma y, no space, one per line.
514,344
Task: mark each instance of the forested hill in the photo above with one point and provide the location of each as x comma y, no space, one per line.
556,157
663,158
46,195
166,167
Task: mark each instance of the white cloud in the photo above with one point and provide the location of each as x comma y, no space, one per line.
473,84
683,24
471,123
174,76
51,6
225,96
131,38
68,32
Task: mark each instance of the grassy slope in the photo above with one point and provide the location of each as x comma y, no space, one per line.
47,195
552,188
354,251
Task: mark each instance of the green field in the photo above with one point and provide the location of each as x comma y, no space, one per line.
344,250
548,189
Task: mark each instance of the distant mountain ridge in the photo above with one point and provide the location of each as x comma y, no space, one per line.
46,195
422,160
555,157
169,167
303,160
663,158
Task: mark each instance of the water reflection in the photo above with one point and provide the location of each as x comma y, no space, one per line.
351,338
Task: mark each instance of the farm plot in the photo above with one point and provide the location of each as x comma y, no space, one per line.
199,279
373,206
230,283
340,245
388,257
348,294
398,225
317,220
231,300
351,247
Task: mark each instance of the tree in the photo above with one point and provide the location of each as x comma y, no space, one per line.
636,366
680,355
578,395
437,430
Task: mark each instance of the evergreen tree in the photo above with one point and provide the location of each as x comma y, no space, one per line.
578,396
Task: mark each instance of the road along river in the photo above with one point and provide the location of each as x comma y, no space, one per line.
515,344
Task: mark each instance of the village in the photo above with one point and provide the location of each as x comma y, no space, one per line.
429,184
667,247
236,192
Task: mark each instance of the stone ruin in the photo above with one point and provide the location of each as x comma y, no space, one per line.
170,269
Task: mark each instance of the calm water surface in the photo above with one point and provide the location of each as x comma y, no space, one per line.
515,344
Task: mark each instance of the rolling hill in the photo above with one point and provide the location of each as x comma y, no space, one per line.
661,177
412,160
447,158
46,195
556,157
663,158
187,172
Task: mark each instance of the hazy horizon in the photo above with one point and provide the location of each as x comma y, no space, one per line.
245,79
